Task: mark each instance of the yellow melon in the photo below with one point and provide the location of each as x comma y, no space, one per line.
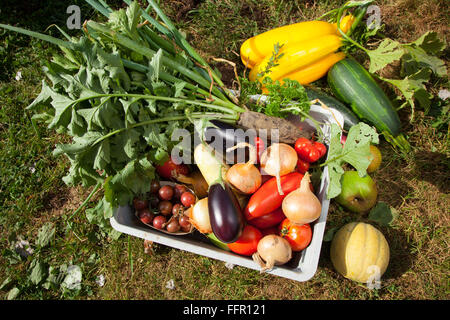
360,252
376,161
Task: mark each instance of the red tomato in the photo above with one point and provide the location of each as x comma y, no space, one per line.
302,143
170,170
269,220
321,148
308,150
187,199
298,236
146,216
302,166
178,190
140,204
247,243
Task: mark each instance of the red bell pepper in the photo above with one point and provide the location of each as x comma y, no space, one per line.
247,243
267,198
268,220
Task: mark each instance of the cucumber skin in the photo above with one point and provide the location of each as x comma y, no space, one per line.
352,84
350,119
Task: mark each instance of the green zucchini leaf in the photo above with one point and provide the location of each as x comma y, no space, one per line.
386,53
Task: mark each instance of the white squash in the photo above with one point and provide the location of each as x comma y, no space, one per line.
360,252
209,164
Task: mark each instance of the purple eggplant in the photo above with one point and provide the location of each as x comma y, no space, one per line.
224,136
225,213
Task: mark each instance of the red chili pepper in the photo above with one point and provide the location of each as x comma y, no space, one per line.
267,198
309,151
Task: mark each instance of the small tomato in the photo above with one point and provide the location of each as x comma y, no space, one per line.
321,148
302,166
170,170
298,236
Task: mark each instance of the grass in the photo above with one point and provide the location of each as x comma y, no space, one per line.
33,194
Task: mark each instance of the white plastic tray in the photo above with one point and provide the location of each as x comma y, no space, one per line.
302,266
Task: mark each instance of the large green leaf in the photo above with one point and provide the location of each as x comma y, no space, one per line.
387,52
355,152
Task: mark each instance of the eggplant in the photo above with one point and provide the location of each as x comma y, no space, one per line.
225,136
225,213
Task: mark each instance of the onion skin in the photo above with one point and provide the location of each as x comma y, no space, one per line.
301,206
279,159
196,181
247,179
199,216
274,250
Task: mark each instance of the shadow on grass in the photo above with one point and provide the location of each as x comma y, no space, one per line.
433,167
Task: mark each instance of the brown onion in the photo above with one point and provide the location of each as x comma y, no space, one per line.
245,177
274,250
301,206
199,216
277,160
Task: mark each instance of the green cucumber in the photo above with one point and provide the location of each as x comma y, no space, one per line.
350,119
352,84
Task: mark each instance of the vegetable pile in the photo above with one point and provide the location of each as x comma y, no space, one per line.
126,87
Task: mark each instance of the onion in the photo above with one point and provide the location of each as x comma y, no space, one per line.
277,160
274,250
301,206
199,216
245,177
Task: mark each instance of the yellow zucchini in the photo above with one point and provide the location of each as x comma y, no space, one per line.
297,56
314,71
256,48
